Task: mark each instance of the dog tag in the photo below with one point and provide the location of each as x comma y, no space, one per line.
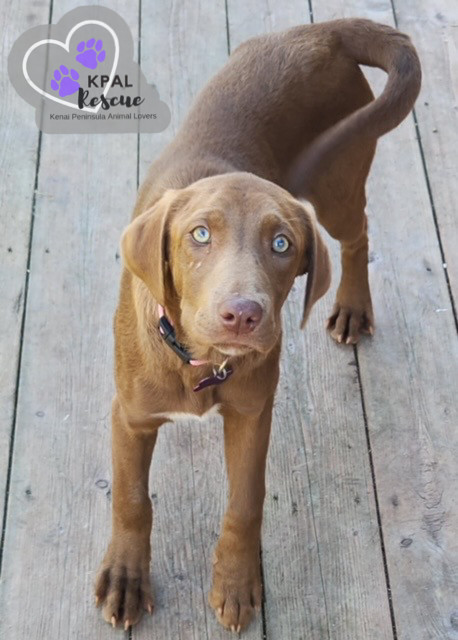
218,377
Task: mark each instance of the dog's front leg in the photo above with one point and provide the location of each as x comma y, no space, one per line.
123,582
236,591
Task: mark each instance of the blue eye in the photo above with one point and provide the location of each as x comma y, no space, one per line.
201,235
280,244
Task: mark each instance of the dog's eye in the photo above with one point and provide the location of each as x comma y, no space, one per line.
280,244
201,235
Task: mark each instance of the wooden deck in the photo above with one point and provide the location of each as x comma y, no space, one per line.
360,539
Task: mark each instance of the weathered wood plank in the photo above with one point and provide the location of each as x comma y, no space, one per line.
409,373
188,477
433,26
175,56
19,145
246,20
323,567
57,525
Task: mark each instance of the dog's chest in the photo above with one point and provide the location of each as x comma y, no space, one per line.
180,416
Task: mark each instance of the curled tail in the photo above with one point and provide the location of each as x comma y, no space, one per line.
374,45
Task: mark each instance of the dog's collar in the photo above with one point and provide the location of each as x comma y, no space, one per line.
220,374
168,333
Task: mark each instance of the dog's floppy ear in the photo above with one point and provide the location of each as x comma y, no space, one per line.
144,245
316,264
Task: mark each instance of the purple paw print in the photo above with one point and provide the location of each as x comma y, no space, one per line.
64,81
91,53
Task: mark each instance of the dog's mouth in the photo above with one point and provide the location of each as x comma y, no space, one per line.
208,346
233,348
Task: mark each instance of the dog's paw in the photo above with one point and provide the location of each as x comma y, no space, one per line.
236,594
346,322
123,586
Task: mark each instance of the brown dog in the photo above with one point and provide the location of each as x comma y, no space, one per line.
217,239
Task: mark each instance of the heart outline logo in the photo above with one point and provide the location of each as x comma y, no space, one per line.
65,45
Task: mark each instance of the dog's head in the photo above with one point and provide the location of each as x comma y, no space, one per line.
225,252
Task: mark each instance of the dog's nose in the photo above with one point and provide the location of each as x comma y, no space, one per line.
240,315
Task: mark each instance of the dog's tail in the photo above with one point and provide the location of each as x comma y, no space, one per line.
375,45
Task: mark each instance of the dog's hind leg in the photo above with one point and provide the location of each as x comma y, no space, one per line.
340,200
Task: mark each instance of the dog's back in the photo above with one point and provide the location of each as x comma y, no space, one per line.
280,92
